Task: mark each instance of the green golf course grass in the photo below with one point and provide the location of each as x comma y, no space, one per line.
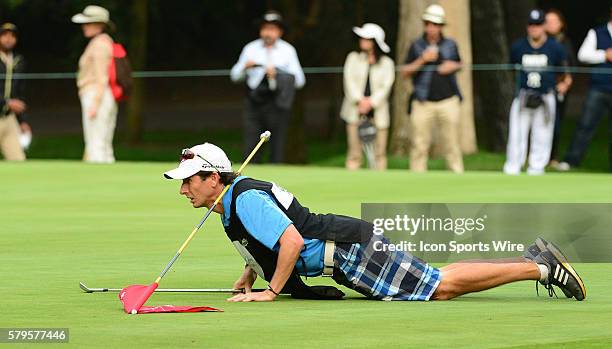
111,226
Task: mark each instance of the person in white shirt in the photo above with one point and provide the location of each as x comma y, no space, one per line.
596,50
272,72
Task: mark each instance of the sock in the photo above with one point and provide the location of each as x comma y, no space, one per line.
543,273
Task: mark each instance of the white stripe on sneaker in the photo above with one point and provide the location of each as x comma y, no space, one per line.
561,274
565,281
557,271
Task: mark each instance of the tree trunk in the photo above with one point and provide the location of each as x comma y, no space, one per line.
296,152
493,89
409,27
138,58
458,28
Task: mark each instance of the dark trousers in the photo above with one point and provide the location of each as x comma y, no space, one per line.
265,116
597,104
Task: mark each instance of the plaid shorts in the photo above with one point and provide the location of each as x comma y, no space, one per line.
384,275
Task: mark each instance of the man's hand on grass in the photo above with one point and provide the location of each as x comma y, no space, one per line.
265,296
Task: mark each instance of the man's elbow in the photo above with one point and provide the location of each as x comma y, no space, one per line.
297,242
293,242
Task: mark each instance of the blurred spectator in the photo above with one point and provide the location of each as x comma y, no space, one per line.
556,27
432,62
12,105
99,109
272,71
368,79
533,108
597,51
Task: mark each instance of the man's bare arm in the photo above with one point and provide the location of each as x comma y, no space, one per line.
291,243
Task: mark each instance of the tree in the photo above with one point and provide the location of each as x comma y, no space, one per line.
489,31
409,27
138,59
458,28
300,24
495,25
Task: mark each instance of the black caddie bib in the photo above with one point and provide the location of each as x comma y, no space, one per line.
310,225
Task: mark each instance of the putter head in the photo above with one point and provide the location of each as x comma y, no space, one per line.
84,288
266,136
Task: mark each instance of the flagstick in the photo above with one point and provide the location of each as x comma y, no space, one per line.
149,291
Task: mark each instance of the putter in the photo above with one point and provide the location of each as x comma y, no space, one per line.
194,290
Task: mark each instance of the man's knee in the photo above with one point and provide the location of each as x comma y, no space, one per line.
444,291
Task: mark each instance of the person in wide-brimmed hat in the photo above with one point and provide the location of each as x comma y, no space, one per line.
13,127
94,14
272,72
368,78
432,62
99,108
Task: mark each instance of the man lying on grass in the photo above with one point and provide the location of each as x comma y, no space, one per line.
280,240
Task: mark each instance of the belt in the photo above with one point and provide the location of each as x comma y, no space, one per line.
328,258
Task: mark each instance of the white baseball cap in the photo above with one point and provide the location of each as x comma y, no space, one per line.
92,14
202,157
373,31
434,14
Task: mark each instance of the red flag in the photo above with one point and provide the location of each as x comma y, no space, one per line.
133,297
175,309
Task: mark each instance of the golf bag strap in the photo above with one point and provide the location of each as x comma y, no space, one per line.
328,258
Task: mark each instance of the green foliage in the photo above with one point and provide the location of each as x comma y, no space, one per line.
13,3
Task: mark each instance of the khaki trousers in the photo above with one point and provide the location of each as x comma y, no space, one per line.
9,139
99,131
354,157
444,115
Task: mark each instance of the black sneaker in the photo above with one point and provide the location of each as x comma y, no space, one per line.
560,272
532,253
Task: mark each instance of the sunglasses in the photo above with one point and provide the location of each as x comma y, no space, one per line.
187,154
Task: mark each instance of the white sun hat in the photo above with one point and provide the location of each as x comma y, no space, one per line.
202,157
373,31
434,14
93,14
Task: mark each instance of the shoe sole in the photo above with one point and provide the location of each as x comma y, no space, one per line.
541,244
557,253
